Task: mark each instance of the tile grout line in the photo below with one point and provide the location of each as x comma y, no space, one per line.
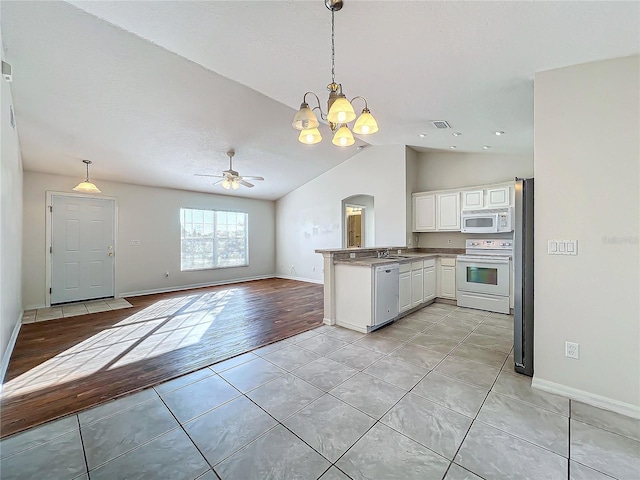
189,436
84,450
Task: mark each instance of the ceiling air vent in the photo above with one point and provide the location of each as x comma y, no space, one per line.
440,124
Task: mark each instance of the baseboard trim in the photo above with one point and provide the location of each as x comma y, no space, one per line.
7,353
592,399
192,286
300,279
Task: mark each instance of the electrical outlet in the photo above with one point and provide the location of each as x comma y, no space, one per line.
449,241
352,255
313,269
399,252
166,274
572,350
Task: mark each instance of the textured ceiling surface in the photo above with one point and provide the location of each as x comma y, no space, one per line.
154,92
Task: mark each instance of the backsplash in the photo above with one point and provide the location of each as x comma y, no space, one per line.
452,239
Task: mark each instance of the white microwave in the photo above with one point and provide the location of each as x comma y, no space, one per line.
486,221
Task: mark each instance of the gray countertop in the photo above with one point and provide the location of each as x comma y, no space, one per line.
374,261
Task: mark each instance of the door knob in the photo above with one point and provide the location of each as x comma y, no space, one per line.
111,254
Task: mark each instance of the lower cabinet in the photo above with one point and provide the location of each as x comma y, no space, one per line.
417,292
429,280
447,278
405,288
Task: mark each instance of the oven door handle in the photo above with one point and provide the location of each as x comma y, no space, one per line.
484,261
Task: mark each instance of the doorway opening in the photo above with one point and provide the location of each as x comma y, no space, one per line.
357,221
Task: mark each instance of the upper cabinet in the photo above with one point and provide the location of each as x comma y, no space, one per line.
448,211
495,196
440,211
436,212
498,197
473,200
424,213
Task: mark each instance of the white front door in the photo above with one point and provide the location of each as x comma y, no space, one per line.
82,248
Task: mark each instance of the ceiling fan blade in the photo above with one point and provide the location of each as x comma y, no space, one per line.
204,175
216,183
244,182
252,178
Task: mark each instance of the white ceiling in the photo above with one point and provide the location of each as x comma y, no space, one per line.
154,92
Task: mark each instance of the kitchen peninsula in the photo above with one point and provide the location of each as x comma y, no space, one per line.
366,288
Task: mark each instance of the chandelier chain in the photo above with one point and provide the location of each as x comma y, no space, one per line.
333,48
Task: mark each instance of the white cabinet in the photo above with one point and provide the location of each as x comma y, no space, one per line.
424,213
417,292
447,278
448,211
429,280
472,199
405,290
498,197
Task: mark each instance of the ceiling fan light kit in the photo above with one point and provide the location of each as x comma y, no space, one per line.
86,186
230,179
340,111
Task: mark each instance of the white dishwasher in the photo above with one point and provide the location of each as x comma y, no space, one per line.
386,289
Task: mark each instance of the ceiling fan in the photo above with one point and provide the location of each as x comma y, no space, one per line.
230,179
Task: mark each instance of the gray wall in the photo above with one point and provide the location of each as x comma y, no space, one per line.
151,215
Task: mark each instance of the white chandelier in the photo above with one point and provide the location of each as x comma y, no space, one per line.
340,110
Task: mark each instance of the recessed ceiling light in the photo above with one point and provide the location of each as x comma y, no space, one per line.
498,132
456,134
453,147
486,147
422,135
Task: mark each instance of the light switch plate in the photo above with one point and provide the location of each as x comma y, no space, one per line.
134,243
562,247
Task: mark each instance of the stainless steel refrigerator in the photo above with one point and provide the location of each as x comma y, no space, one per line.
523,262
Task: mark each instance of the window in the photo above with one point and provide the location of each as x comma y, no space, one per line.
213,239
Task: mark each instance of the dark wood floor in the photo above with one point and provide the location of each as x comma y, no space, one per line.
63,366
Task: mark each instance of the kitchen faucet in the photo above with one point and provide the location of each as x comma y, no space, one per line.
383,254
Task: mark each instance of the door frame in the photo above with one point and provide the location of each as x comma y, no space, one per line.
47,246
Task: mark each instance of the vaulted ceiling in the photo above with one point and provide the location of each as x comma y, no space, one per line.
154,92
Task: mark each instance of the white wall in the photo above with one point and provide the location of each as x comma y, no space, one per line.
151,215
309,218
443,170
412,181
10,223
587,155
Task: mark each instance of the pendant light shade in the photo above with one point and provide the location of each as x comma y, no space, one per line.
305,118
86,186
310,136
366,124
341,111
343,137
234,184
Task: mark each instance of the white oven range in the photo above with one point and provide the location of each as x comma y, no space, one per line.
483,275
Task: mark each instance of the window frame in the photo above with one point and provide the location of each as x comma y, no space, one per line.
215,239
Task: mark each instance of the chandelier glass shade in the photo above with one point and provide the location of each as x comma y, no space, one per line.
340,111
86,186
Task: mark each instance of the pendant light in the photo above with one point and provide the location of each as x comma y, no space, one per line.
87,186
340,111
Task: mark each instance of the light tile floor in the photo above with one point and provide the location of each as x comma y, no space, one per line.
433,396
74,309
